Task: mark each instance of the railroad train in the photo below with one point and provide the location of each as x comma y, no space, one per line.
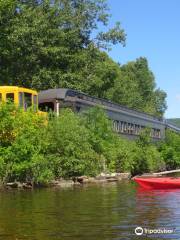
22,97
126,121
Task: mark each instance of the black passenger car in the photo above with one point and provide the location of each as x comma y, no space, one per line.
125,120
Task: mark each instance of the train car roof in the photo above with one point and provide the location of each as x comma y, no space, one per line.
62,93
17,89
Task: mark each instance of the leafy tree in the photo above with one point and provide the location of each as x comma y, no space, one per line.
135,87
35,150
70,149
22,144
147,158
50,43
170,150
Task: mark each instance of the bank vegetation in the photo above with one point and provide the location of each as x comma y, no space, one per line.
36,150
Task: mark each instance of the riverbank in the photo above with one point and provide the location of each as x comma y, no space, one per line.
74,181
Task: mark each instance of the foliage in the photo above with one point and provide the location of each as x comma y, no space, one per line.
70,149
46,43
134,86
21,143
147,157
50,44
32,149
174,121
170,150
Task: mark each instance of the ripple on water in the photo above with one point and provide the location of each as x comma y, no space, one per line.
111,211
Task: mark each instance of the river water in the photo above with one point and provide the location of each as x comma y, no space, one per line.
96,212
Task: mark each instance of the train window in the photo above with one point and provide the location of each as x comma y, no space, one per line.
129,128
132,128
125,127
116,125
35,102
10,97
46,106
121,126
21,96
27,100
159,133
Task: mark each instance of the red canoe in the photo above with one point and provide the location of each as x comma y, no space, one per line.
158,183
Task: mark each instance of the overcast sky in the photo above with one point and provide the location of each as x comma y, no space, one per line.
153,31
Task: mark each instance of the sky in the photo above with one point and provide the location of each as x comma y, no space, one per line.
153,31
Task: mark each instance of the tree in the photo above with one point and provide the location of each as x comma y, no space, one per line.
135,87
50,42
70,149
170,149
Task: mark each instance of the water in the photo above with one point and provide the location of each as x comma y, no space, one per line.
98,212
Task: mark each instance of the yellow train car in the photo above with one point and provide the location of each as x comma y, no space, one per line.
22,97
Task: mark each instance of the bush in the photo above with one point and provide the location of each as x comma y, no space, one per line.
32,149
70,148
170,150
147,158
22,140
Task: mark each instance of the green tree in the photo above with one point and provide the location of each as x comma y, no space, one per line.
70,149
147,158
135,87
22,145
170,149
49,44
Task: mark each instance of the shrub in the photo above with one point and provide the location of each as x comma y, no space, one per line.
170,150
22,138
70,148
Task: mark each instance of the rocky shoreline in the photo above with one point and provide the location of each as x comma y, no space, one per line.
64,183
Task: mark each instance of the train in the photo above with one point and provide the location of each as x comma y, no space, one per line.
22,97
126,121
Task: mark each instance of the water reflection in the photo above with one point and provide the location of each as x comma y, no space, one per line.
104,212
159,209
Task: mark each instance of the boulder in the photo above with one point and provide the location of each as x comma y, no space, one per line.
12,185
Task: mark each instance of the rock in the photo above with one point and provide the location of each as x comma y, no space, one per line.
27,185
54,183
102,180
19,185
65,183
113,174
82,179
12,185
101,176
119,178
122,176
91,180
112,179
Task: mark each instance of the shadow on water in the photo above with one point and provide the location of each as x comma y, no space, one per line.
102,212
